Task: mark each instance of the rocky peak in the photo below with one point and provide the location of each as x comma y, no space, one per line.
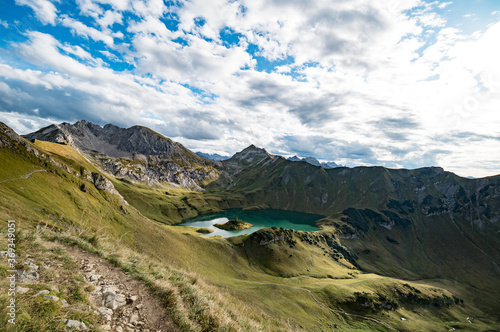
312,161
7,135
111,140
137,153
251,154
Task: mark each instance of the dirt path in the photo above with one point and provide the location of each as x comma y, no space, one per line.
25,176
125,303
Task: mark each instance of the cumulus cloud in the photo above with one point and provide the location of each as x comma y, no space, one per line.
81,29
199,60
324,147
45,10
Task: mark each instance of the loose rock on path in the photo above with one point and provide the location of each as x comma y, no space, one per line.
125,303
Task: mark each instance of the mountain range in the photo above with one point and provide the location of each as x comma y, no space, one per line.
423,244
316,162
212,156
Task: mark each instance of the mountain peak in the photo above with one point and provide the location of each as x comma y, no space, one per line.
253,148
251,154
111,140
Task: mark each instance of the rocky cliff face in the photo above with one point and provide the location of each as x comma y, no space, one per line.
136,153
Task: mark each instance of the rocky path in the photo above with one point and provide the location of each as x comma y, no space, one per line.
25,176
125,303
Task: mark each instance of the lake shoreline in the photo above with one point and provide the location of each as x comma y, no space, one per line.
263,218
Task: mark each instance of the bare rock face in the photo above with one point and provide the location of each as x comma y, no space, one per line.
10,139
101,183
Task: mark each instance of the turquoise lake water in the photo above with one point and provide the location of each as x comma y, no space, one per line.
259,218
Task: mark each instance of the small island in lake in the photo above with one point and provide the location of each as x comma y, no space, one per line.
234,225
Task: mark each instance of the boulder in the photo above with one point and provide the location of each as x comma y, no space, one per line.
113,300
27,276
101,183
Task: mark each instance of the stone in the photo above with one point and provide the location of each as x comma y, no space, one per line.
118,329
76,324
134,319
106,312
22,290
94,278
133,298
64,303
27,276
32,266
109,290
51,298
42,292
106,327
114,301
101,183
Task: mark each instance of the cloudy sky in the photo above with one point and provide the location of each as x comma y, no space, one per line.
360,82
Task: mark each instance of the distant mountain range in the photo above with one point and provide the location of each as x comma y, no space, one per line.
316,162
310,160
212,156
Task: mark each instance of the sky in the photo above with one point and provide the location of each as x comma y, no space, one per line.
402,84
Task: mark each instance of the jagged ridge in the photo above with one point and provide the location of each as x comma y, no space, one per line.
136,153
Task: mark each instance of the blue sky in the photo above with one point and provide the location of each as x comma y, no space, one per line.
362,82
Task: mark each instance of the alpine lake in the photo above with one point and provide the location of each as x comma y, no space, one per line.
258,218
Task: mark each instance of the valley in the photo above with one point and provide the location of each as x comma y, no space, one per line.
395,249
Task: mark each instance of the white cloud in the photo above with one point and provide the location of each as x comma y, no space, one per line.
44,10
145,8
80,53
443,5
42,49
120,5
109,18
24,124
199,61
81,29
